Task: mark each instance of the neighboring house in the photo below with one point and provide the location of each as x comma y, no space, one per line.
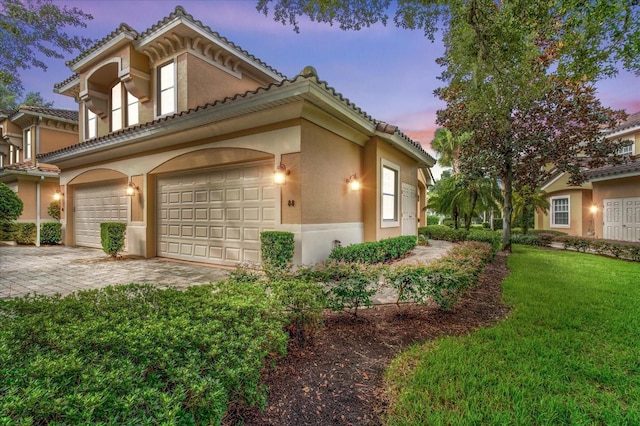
196,130
26,133
608,204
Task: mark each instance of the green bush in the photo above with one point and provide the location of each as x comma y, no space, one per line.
442,232
302,303
112,237
433,220
7,231
497,224
349,285
25,232
536,239
486,236
382,251
10,204
277,252
50,233
444,280
617,249
137,355
54,209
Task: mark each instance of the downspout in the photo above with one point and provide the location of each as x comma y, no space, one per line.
38,211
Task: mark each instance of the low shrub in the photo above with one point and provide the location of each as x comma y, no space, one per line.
7,231
486,236
442,232
25,232
433,220
112,237
302,303
54,209
277,252
50,233
349,285
617,249
538,239
444,280
497,224
382,251
135,354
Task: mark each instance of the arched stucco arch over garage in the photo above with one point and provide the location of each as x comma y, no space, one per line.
90,198
210,205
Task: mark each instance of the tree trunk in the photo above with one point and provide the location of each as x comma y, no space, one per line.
507,209
474,201
455,217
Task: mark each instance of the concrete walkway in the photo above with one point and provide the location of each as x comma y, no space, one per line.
64,270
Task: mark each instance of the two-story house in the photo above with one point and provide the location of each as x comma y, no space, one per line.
608,204
26,133
199,146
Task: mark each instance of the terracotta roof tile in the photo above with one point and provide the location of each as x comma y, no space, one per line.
378,125
633,120
628,167
65,114
123,28
28,167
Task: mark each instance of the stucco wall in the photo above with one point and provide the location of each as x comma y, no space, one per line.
580,203
54,139
327,160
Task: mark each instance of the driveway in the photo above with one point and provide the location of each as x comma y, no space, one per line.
59,269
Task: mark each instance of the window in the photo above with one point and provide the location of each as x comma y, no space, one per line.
389,186
28,144
92,124
167,89
132,109
1,161
116,107
14,154
560,212
626,150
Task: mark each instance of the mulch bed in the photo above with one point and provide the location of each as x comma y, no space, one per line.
339,378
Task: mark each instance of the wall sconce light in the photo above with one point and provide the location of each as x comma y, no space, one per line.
353,182
594,209
57,196
281,173
132,189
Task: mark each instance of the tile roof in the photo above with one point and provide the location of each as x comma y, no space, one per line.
65,114
29,167
633,120
632,166
306,75
179,12
122,29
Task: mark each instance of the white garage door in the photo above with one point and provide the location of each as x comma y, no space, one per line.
95,204
216,216
622,219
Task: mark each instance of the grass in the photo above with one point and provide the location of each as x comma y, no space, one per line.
569,353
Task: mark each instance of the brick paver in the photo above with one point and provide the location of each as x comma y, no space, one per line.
63,270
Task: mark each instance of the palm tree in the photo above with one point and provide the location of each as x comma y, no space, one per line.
448,148
525,202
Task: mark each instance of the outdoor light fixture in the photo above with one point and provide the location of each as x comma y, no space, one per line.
132,189
58,196
594,209
281,173
353,182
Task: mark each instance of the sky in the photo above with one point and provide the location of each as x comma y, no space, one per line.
390,73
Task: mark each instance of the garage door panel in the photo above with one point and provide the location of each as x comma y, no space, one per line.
222,213
94,204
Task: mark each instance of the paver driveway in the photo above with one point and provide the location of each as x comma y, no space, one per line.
60,269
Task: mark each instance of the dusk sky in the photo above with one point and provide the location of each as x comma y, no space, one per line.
388,72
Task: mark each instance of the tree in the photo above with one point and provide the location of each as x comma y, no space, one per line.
10,209
30,28
525,202
9,102
36,99
518,74
448,147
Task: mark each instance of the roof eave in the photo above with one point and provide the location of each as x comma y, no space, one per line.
120,39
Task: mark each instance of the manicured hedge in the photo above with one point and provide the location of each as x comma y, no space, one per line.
25,232
617,249
112,237
382,251
50,232
137,355
442,232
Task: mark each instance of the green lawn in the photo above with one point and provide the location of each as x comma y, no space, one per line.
569,352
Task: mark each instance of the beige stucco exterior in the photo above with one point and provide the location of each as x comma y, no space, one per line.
233,111
587,202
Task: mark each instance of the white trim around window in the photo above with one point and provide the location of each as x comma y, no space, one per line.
166,87
389,194
91,124
560,211
28,143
